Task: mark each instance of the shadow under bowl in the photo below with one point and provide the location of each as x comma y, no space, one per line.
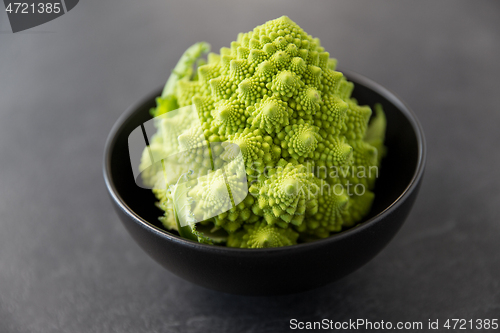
275,270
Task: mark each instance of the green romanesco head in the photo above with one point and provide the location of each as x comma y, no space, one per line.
310,156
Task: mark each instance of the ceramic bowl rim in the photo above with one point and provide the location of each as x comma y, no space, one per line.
352,76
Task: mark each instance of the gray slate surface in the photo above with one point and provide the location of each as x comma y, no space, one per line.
68,265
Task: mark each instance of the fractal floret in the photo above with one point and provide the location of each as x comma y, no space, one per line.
277,151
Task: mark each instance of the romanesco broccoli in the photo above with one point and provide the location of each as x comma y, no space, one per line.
274,98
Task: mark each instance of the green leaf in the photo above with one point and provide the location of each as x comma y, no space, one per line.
184,66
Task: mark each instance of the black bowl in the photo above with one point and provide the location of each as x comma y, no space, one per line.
276,270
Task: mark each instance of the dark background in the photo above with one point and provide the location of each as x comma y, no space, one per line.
68,265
